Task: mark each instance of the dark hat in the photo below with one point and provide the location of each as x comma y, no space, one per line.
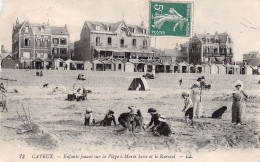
151,110
110,112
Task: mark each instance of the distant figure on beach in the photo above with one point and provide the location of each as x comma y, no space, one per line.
238,106
188,108
3,101
202,83
180,81
88,117
163,128
2,88
195,96
41,74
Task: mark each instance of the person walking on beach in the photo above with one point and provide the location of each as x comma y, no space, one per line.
188,109
196,97
238,106
180,82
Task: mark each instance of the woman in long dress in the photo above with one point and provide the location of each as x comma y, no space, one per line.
238,106
195,97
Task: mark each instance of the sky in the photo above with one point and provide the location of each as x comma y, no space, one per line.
240,18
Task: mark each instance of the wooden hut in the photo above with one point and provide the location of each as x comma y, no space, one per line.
98,65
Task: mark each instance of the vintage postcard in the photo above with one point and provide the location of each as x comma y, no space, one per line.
129,80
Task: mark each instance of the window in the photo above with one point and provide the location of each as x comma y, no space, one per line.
27,29
145,44
144,31
216,40
119,66
134,42
230,50
97,41
108,28
45,43
122,42
63,41
26,55
134,30
38,42
41,55
61,64
98,27
109,41
55,50
207,40
229,40
31,55
55,41
215,50
63,51
26,42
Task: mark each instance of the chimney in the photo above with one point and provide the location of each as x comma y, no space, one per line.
17,21
142,23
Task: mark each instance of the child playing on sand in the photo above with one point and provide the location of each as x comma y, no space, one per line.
107,121
88,117
163,128
188,109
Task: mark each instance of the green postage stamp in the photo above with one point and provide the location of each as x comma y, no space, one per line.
170,18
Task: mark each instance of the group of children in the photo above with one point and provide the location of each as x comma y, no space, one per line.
131,120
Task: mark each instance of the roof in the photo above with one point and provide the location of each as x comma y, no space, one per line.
59,59
103,27
37,28
172,53
222,37
37,60
48,60
59,30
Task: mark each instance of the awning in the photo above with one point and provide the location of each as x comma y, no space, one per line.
119,54
48,60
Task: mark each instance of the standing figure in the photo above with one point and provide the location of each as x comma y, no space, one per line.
180,82
238,106
188,109
202,82
195,96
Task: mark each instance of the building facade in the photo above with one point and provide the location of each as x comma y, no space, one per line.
202,49
100,40
33,42
252,58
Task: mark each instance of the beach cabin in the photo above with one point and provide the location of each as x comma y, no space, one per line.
148,67
246,69
108,65
47,63
118,65
230,69
192,68
236,69
199,68
98,65
214,69
183,67
159,67
222,69
8,63
167,67
255,69
38,63
88,65
138,65
175,67
129,67
59,64
70,65
207,69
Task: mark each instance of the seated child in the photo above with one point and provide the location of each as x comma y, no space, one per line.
107,121
163,128
88,117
